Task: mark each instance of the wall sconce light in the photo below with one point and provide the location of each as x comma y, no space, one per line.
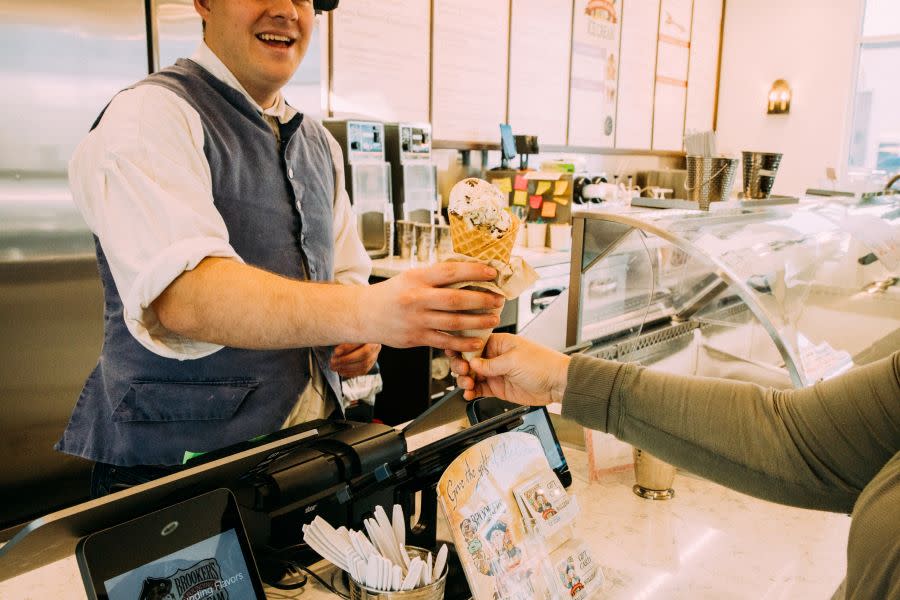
779,98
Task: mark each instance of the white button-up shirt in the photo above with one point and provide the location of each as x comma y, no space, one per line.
143,184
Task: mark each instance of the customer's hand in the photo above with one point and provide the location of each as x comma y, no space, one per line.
415,309
353,360
513,369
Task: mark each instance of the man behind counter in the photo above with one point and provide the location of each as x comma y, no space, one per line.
221,223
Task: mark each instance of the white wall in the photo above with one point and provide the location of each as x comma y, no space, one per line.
812,45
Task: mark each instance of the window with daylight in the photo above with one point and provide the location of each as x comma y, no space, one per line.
875,137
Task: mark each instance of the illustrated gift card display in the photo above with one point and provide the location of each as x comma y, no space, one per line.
576,574
544,501
510,517
490,537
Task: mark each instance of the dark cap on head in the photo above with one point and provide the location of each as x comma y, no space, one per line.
321,5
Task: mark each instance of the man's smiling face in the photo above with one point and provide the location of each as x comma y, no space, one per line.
260,41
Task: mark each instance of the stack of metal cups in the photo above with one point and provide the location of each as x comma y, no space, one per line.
760,169
709,179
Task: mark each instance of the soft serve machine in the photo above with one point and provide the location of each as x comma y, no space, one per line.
408,148
368,181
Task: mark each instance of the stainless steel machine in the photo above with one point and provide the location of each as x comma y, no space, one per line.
408,149
368,180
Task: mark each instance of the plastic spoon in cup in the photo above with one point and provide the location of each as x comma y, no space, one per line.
396,578
412,578
426,572
372,572
399,525
439,562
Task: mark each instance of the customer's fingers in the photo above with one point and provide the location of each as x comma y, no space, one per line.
459,365
492,367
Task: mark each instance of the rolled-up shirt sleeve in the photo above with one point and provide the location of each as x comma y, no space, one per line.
143,185
352,265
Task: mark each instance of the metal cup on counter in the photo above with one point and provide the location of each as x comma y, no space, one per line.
424,242
709,179
432,591
406,238
443,243
760,169
653,477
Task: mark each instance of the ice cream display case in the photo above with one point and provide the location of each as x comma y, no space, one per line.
782,296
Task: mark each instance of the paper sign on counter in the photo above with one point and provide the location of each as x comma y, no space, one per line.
521,183
548,175
560,187
520,198
542,188
504,184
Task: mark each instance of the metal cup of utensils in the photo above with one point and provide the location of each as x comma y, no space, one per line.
424,242
443,243
760,169
432,591
653,477
709,179
406,238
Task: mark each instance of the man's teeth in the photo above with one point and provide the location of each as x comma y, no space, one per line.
271,37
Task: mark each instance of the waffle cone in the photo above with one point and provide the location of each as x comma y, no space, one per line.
482,334
480,244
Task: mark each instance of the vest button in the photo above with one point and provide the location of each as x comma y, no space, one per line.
290,173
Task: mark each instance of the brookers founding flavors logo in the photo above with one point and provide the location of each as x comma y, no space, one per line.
202,581
601,10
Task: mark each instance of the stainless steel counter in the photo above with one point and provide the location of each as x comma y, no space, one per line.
39,222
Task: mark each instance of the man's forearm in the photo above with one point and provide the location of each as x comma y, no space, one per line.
225,302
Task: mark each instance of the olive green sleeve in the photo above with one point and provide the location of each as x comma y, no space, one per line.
815,447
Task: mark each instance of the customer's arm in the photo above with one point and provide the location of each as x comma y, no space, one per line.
814,447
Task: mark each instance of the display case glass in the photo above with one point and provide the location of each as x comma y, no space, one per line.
782,295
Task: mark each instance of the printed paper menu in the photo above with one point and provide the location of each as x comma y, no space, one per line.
595,72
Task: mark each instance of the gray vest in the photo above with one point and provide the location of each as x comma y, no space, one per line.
140,408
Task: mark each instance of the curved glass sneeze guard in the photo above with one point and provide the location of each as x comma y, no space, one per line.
784,296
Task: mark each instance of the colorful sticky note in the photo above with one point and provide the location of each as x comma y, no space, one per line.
521,183
520,198
548,210
535,201
542,187
561,200
504,184
560,187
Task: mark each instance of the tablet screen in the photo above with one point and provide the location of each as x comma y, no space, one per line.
213,569
535,423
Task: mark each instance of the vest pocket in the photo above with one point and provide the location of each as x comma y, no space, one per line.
164,401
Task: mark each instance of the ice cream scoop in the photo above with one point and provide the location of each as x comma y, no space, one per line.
481,206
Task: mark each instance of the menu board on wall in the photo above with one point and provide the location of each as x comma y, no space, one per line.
637,66
704,71
470,62
539,68
672,60
381,59
595,65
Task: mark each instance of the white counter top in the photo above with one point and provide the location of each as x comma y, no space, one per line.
706,543
536,257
